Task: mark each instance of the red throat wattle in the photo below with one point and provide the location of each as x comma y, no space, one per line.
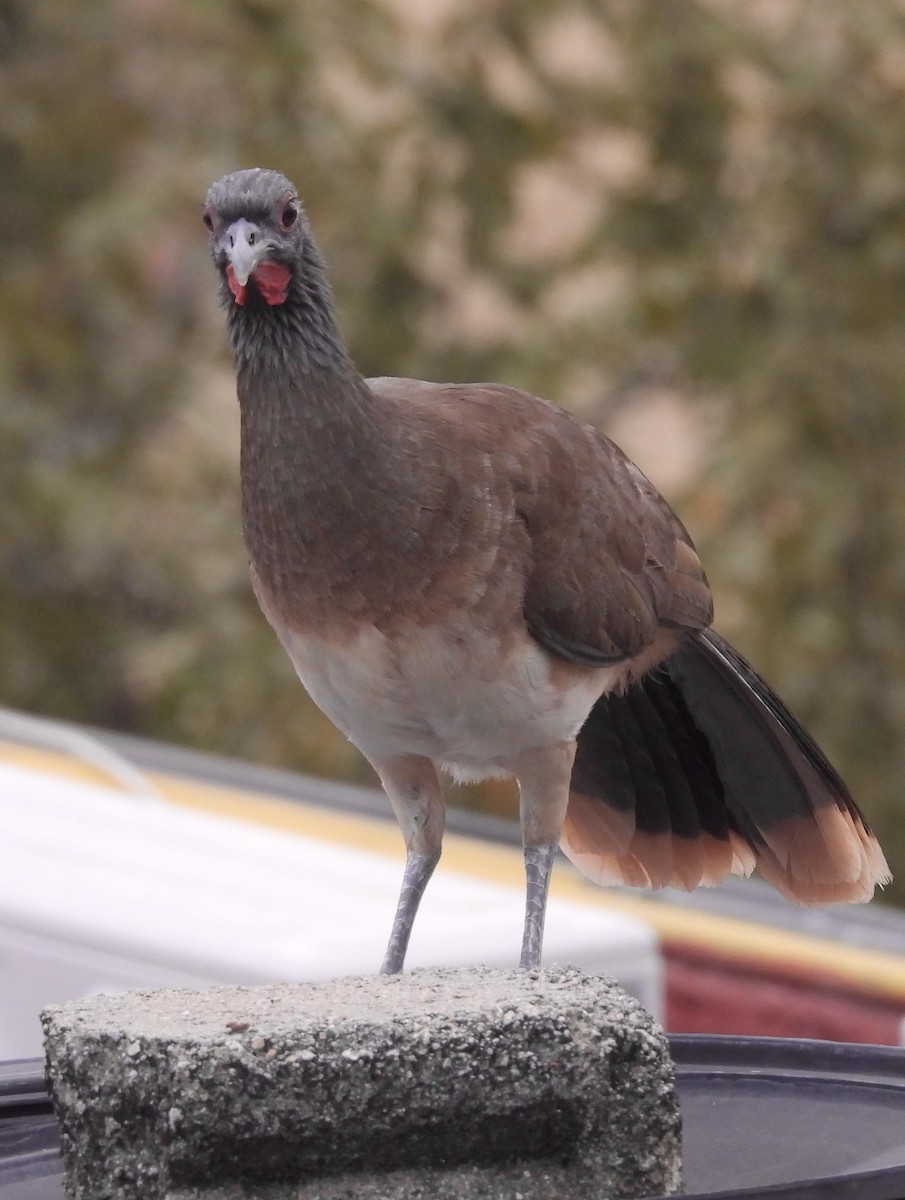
270,278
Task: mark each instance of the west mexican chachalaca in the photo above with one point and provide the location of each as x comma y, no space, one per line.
469,579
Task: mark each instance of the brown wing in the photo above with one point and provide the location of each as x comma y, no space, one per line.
610,564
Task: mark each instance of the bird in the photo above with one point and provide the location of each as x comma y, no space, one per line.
469,580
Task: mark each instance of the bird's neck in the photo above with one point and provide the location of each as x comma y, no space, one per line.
299,337
306,411
317,453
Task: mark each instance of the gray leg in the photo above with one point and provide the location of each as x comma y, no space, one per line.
543,775
413,787
418,870
538,867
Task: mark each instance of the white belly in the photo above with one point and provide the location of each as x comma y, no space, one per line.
446,696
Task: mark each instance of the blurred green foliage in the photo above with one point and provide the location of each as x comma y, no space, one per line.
692,208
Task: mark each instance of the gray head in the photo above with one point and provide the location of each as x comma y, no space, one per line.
279,304
258,233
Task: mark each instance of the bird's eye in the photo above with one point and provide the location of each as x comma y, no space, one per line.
208,219
290,214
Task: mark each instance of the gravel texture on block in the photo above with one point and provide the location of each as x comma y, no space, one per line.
459,1083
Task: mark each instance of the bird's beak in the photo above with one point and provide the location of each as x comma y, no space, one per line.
245,247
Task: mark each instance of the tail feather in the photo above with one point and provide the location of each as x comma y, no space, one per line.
700,771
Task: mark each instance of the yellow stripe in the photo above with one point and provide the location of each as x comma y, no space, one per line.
874,970
52,761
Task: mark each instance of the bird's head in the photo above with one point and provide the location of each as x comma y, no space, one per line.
257,232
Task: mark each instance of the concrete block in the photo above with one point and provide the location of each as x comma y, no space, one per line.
461,1083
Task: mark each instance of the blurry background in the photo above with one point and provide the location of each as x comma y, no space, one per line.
683,220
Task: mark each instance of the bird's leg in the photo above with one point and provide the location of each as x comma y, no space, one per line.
538,868
543,776
418,870
413,787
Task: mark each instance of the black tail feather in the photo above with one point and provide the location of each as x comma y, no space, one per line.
702,750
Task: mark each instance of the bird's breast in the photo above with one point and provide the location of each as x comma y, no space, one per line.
471,701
